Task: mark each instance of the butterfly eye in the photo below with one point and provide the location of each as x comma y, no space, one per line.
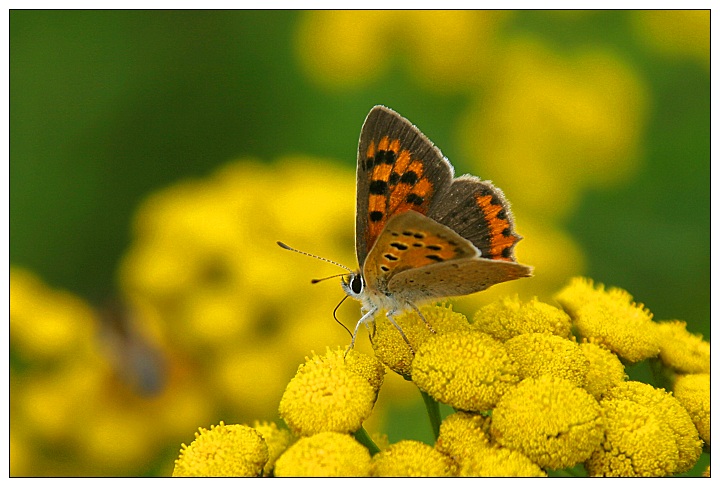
356,284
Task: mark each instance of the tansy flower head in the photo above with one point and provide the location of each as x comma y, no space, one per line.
681,350
223,451
499,462
325,454
509,317
668,411
693,392
604,369
391,349
550,420
409,458
541,353
329,393
611,318
277,441
463,433
637,443
466,370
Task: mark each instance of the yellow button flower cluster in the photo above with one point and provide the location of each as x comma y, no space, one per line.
529,398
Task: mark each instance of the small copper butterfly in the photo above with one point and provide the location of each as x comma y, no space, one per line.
420,233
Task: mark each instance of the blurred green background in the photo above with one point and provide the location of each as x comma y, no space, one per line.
596,125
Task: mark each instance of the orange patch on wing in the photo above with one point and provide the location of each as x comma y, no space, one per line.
408,251
402,161
498,241
384,143
381,172
371,149
394,146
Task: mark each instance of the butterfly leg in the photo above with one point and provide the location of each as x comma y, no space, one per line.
417,310
389,316
365,318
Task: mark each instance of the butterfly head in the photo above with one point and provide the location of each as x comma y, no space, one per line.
354,285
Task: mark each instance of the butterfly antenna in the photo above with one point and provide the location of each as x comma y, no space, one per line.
336,318
287,247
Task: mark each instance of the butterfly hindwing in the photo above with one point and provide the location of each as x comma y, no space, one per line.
412,241
477,274
398,170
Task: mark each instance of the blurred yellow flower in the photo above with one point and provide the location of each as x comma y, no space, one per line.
670,412
205,271
610,318
410,458
47,324
327,394
470,371
549,420
693,392
326,454
539,354
223,451
447,50
676,33
592,101
73,400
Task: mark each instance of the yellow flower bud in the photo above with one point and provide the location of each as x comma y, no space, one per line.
223,451
550,420
466,370
410,458
327,454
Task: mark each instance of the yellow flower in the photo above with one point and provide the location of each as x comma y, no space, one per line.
681,350
550,420
277,441
447,49
693,392
676,33
367,367
466,370
393,351
610,318
410,458
543,354
327,454
327,394
604,371
223,451
499,462
509,317
48,324
546,113
669,411
461,434
637,443
464,437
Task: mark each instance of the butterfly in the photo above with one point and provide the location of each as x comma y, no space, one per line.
420,233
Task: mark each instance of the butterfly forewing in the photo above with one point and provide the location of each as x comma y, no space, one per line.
478,211
398,170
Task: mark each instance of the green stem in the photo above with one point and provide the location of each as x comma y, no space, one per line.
433,410
364,438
